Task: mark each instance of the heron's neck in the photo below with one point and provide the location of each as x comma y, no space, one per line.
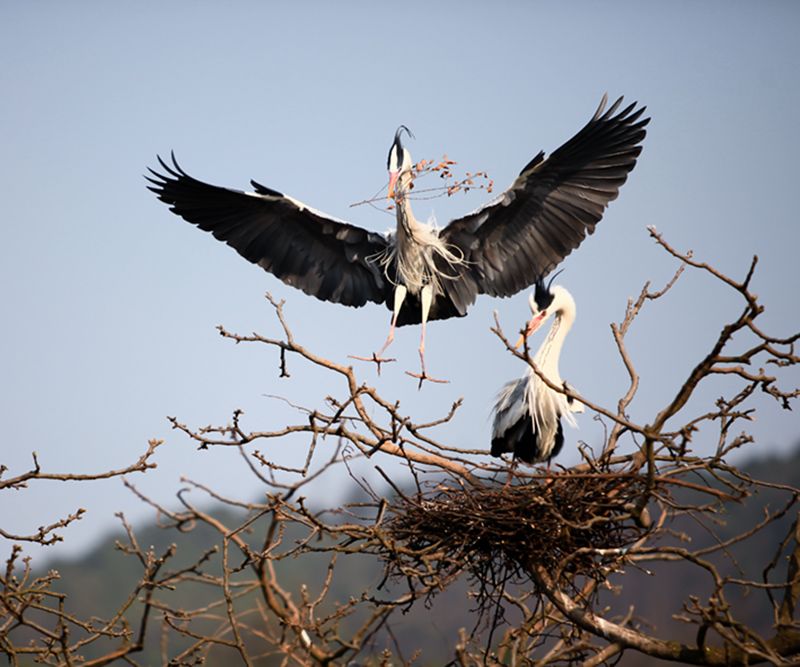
406,222
547,355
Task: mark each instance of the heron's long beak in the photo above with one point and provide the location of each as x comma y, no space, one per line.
392,183
533,325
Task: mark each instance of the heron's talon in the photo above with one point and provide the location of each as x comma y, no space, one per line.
375,359
424,376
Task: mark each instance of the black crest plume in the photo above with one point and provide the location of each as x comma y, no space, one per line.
542,294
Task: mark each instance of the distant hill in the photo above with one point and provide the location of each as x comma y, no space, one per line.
97,583
659,595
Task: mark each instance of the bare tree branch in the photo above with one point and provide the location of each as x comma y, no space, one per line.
538,550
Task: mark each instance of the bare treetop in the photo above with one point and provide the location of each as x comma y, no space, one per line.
537,550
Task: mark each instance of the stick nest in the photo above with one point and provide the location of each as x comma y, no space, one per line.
572,525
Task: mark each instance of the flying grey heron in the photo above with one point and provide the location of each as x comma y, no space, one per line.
528,413
421,272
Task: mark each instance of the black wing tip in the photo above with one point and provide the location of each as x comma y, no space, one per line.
629,115
174,170
169,175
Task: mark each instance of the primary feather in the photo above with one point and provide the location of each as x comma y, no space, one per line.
498,250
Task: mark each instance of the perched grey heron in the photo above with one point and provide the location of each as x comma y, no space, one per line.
422,272
528,413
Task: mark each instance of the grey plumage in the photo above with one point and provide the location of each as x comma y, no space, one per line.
527,412
499,249
532,434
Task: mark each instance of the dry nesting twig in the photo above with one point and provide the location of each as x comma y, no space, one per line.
573,525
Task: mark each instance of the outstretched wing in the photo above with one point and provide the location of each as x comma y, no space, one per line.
550,208
326,258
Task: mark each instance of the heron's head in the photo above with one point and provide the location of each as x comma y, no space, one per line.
399,162
546,300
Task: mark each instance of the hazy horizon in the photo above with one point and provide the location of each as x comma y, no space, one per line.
111,301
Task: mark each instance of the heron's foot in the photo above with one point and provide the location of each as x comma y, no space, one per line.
548,479
376,359
512,469
423,376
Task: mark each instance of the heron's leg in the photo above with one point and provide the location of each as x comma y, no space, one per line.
399,296
511,469
426,298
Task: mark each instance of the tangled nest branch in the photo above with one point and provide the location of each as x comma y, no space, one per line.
537,549
569,524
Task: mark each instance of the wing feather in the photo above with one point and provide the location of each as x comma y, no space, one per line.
326,258
554,203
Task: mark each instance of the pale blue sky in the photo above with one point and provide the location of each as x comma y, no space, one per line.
110,302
